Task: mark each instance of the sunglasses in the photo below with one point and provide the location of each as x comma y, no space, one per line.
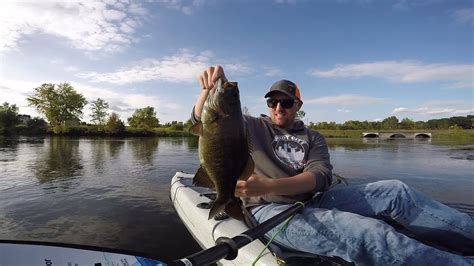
285,103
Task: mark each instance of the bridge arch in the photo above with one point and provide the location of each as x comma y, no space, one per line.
371,135
422,136
397,136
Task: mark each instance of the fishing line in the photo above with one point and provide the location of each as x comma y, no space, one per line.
283,227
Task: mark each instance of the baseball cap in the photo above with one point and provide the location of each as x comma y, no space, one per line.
286,87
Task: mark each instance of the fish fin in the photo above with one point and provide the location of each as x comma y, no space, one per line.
202,179
196,129
248,169
234,209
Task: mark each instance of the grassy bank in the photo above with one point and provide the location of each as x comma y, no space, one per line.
465,135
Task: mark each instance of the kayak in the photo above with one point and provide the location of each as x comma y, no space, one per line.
190,203
31,253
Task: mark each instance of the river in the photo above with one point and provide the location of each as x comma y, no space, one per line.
115,192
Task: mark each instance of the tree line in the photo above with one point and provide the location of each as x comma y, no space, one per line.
62,107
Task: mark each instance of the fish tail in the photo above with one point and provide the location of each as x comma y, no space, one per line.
234,209
217,206
231,207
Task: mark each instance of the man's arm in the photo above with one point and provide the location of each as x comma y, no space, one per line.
259,186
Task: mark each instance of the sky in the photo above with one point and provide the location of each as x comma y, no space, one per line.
352,60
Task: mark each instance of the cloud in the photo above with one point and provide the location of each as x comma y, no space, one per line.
237,68
343,111
185,6
433,111
464,15
346,99
87,25
272,72
182,67
403,72
71,69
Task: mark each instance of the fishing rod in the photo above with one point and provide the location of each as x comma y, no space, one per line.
227,248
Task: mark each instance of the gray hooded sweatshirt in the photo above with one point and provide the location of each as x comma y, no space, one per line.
280,153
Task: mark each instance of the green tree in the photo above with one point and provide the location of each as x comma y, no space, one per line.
144,118
390,123
60,104
99,111
407,123
8,115
114,125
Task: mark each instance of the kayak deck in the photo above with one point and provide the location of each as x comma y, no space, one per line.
185,197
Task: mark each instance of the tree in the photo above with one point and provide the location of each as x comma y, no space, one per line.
60,104
8,115
144,118
114,125
390,123
99,111
407,123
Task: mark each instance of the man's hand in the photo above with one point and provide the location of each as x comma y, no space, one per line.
254,186
209,77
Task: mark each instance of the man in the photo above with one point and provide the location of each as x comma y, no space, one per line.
292,164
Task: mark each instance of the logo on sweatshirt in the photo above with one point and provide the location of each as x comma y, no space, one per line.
290,150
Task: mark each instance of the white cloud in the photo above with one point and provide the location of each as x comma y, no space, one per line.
465,15
343,111
185,6
182,67
433,111
71,69
346,99
87,25
403,71
272,72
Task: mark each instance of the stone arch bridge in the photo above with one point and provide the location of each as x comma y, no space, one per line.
397,135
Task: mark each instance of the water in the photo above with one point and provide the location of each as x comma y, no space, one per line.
115,192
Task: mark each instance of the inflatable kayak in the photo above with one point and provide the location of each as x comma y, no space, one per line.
30,253
190,202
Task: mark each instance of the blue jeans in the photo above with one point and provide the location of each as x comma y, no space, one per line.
343,222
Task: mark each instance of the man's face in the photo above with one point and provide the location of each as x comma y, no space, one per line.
283,117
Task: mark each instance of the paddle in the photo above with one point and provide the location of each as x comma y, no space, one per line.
228,247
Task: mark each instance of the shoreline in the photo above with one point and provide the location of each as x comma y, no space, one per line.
465,134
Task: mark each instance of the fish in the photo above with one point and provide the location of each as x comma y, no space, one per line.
224,148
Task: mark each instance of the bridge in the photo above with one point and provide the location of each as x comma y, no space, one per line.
397,135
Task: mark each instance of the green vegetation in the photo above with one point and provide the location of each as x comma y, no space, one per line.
99,111
392,123
144,118
62,106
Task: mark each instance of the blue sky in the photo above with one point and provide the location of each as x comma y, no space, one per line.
353,60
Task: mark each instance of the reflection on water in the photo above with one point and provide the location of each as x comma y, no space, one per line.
59,160
144,149
114,192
